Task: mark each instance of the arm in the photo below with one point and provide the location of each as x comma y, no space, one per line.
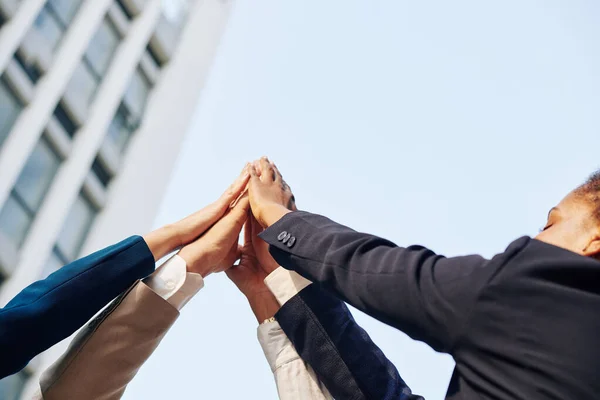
326,336
413,289
108,352
295,379
52,309
427,296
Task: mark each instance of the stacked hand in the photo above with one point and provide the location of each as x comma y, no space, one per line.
209,238
270,195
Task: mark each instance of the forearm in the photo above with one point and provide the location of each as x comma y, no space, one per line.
263,305
98,366
163,240
341,353
412,289
295,379
170,237
325,335
71,295
358,267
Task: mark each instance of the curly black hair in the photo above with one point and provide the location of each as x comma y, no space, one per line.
591,190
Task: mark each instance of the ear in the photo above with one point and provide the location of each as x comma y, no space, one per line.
593,247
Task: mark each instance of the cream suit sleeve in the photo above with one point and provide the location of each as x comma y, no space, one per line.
107,353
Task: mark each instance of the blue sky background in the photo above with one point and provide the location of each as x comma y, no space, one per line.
455,125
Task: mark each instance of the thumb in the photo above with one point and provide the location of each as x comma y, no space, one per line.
239,213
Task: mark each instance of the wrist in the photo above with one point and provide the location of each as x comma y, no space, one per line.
273,213
162,241
263,305
195,264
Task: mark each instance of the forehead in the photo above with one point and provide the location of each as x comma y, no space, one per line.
574,203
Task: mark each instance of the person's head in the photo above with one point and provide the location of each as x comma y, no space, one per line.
574,224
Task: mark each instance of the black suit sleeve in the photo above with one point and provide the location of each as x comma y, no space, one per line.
341,353
425,295
52,309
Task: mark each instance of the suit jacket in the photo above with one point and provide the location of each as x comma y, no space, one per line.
105,355
341,353
108,352
52,309
522,325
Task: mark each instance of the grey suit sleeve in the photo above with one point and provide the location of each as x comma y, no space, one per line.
426,295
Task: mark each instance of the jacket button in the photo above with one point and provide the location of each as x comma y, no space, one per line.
282,236
286,238
291,242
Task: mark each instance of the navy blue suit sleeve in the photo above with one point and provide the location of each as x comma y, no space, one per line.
341,353
427,296
52,309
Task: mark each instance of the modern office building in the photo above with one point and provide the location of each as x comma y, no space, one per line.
96,97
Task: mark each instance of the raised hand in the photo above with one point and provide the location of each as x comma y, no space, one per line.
250,274
217,250
173,236
270,197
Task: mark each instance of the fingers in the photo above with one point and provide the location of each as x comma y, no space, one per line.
254,173
239,214
278,177
235,190
267,171
234,254
248,231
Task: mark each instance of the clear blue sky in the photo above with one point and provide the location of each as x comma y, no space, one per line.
455,125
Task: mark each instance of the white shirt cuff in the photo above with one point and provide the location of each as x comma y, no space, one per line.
172,282
275,344
285,284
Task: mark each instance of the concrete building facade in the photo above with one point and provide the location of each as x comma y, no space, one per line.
96,97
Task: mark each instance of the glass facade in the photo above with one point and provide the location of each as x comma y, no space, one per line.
46,33
27,196
10,107
89,73
28,193
75,229
129,114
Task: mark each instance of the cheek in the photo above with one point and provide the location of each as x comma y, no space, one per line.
567,235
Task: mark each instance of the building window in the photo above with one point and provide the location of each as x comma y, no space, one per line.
64,10
101,173
31,68
12,386
154,57
124,8
129,114
136,94
75,229
14,220
65,121
121,128
83,85
102,47
89,73
29,192
10,107
53,264
45,35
